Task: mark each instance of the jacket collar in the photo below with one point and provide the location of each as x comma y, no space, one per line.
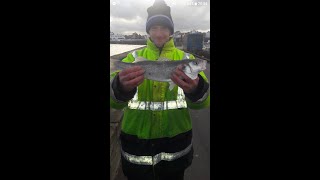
167,46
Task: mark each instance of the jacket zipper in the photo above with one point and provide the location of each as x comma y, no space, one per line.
154,173
160,52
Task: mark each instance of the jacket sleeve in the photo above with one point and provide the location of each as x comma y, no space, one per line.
201,98
116,101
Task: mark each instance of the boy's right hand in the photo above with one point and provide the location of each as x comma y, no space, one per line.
130,78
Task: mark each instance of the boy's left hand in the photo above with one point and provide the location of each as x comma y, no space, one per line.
182,80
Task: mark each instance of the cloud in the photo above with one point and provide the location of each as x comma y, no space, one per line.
128,16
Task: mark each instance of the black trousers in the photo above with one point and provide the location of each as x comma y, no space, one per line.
177,176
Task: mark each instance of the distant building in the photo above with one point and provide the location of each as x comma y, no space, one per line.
194,32
207,35
177,34
136,36
177,38
193,41
116,37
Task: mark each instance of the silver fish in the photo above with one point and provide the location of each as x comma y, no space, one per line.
162,69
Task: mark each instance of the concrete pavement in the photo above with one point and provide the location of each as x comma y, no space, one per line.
200,167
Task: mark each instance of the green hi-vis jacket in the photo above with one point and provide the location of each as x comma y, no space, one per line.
155,111
156,132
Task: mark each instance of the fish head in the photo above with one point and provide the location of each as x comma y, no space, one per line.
194,67
198,65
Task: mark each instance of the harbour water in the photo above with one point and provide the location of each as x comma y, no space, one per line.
121,48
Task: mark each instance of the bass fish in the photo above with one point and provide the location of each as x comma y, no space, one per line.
162,69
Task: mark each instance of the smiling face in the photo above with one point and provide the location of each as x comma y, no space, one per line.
159,35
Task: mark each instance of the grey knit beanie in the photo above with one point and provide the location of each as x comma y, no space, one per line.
159,13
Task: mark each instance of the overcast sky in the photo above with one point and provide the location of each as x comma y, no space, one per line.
129,16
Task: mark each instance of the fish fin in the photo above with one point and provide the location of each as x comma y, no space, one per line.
163,59
139,59
171,85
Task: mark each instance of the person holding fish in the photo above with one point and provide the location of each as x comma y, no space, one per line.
156,86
